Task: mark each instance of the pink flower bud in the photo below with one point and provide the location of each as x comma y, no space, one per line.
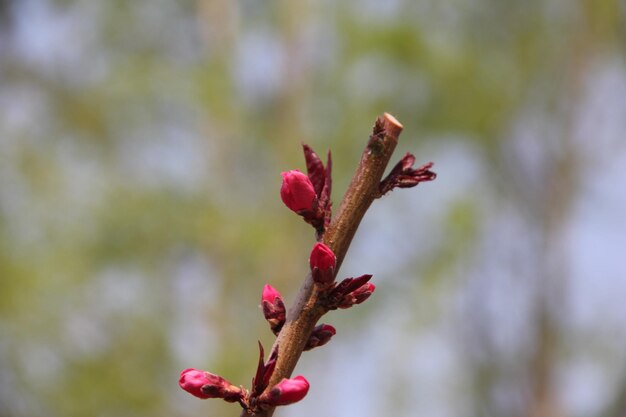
322,257
287,391
274,309
297,191
205,385
270,294
322,262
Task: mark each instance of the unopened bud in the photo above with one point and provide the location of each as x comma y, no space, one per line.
273,307
358,296
270,294
297,191
287,391
320,335
322,262
205,385
363,293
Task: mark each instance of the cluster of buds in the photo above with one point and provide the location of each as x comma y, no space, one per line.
308,195
349,292
274,311
287,391
343,295
206,385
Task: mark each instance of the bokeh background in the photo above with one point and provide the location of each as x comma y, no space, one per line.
141,145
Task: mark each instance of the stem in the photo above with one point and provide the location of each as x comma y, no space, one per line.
362,191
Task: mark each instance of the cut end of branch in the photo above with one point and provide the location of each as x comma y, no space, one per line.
392,119
386,129
391,125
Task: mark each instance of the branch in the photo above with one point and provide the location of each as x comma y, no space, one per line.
363,190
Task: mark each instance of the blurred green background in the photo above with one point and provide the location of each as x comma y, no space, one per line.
141,145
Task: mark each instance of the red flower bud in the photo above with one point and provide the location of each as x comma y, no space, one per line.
273,307
287,391
357,296
363,293
320,335
205,385
322,257
297,191
322,262
270,294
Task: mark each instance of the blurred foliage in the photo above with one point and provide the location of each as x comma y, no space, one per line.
140,151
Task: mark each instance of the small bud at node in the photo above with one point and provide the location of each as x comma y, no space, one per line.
357,296
320,335
322,262
273,307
